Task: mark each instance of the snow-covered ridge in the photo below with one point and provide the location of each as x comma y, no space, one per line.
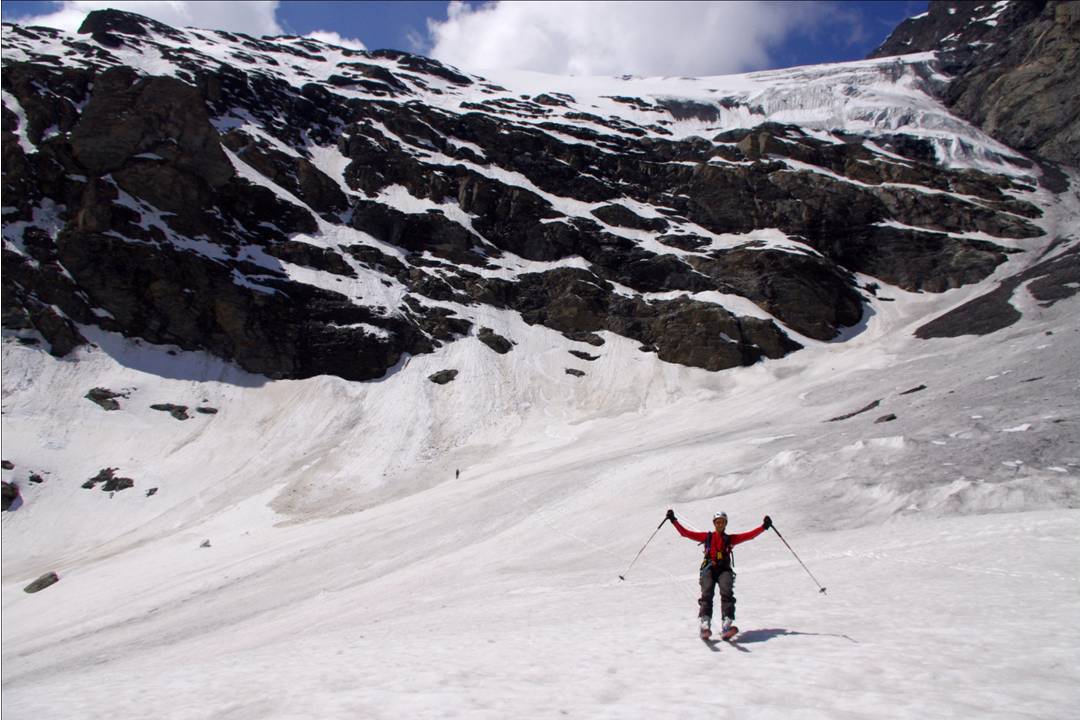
871,97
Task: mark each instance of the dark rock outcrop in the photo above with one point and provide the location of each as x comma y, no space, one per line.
10,493
1014,68
50,578
162,150
296,174
870,406
1049,281
625,217
180,412
109,482
105,398
443,376
496,342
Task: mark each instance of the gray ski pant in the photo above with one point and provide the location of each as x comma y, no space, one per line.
725,580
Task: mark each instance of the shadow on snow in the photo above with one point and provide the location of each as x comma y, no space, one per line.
765,634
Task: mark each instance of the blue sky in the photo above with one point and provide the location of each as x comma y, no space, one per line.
689,38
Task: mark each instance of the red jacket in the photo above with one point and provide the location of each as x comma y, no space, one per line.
718,542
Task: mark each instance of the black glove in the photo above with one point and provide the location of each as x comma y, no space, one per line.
670,515
767,523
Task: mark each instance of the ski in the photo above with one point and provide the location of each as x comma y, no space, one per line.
730,633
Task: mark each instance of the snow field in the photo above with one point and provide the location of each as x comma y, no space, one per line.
921,619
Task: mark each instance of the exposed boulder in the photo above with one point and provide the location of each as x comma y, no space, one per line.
10,493
105,398
585,337
496,342
870,406
443,376
50,578
180,412
108,480
117,484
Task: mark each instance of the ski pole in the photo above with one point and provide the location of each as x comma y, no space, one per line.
820,588
643,548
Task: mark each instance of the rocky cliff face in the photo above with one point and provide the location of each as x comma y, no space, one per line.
1013,68
302,209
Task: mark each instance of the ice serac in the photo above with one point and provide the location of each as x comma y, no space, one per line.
302,209
1013,68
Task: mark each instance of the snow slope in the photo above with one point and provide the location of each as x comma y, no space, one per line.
349,572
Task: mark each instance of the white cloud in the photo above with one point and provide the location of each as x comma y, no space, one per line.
593,37
253,17
332,38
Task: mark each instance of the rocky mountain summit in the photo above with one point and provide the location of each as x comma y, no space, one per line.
302,209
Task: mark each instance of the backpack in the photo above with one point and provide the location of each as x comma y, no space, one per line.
726,548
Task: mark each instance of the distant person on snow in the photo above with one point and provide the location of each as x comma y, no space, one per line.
717,569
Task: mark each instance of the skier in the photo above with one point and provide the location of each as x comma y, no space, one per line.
717,569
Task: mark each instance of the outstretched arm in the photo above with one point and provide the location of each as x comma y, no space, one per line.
752,534
690,534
